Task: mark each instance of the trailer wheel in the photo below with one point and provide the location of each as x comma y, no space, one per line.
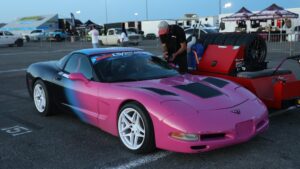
220,40
255,51
231,39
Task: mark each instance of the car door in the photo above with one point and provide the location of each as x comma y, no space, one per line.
110,37
81,97
10,39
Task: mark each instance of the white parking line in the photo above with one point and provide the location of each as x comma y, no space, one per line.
12,70
142,161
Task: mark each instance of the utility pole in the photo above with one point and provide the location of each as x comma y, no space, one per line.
220,7
147,10
106,19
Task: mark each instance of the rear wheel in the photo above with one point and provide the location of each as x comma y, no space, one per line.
135,128
41,99
19,43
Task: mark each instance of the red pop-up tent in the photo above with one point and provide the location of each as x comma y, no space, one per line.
242,14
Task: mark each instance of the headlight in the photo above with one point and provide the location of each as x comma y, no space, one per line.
184,136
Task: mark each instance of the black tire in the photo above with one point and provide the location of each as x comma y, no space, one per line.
219,40
255,51
210,38
231,39
27,38
19,42
57,38
101,43
148,144
49,107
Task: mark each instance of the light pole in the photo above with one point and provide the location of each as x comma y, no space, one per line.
220,7
106,18
136,20
147,10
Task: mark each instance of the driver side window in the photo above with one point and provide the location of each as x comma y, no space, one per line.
79,63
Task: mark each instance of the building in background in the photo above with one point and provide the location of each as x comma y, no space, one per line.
151,27
26,25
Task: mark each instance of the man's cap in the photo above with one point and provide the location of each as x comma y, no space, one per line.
163,28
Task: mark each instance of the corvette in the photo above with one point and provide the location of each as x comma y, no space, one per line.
138,97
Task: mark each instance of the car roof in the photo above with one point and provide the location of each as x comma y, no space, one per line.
99,51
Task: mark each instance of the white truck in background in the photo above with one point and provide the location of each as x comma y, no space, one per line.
113,34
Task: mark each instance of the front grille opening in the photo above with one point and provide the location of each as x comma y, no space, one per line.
211,137
260,124
198,147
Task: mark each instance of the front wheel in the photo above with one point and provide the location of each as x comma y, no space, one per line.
58,38
135,128
41,98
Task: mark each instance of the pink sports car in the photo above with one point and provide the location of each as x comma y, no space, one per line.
138,97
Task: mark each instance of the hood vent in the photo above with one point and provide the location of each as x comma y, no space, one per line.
216,82
159,91
200,90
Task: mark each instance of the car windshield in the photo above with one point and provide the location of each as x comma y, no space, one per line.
118,31
131,66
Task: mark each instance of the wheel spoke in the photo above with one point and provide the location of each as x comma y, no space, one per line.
131,138
140,129
125,128
140,134
134,117
125,120
135,143
128,117
127,134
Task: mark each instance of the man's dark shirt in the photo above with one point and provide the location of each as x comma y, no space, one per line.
173,39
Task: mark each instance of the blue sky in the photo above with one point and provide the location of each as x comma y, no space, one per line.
123,10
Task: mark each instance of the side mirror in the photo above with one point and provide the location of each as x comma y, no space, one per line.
79,77
299,61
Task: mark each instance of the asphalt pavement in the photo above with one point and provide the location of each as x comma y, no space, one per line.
28,140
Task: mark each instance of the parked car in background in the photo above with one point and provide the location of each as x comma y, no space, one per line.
135,37
57,35
112,37
151,36
190,31
10,39
38,35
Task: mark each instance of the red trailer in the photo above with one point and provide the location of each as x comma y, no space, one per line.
277,88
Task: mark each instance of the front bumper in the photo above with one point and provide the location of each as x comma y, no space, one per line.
208,141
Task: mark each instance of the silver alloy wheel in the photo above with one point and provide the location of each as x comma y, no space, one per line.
131,128
39,98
